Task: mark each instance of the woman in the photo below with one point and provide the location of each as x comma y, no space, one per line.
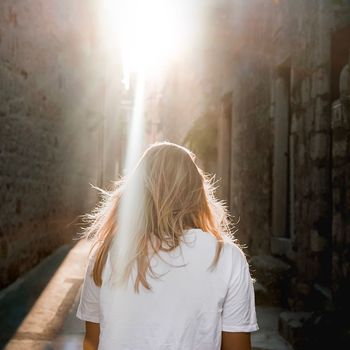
164,272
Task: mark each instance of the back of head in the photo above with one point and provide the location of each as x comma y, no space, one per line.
174,191
149,210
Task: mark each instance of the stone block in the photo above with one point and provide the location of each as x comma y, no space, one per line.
296,120
309,119
317,210
319,180
317,243
320,82
291,327
339,148
322,120
301,154
305,91
271,273
336,198
339,115
337,228
282,246
347,201
319,146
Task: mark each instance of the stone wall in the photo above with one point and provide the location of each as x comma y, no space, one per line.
252,133
290,154
50,107
295,46
309,49
341,192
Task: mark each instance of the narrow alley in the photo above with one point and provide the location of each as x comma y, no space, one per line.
259,91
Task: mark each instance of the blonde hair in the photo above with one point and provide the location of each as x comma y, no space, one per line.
170,194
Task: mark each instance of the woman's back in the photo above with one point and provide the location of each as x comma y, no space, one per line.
188,306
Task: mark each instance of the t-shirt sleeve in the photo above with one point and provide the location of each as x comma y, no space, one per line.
239,313
89,306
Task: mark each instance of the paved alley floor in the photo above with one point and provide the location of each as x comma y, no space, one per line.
47,314
17,301
72,332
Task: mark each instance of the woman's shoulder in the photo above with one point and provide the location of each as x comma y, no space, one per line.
230,245
236,258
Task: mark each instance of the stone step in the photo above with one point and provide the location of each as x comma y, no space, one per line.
271,275
267,337
291,326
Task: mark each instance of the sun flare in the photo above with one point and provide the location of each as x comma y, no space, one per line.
149,34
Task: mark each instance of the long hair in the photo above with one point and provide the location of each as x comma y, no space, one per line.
148,211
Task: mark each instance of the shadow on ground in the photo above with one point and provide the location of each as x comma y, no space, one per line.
17,300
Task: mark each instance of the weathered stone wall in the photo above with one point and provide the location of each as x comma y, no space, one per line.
308,38
292,39
251,125
49,97
341,192
289,60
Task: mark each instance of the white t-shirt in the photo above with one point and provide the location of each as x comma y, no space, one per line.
188,307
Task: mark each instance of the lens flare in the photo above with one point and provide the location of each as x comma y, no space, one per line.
149,34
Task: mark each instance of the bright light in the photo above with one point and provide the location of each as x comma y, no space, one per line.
131,202
148,36
150,33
